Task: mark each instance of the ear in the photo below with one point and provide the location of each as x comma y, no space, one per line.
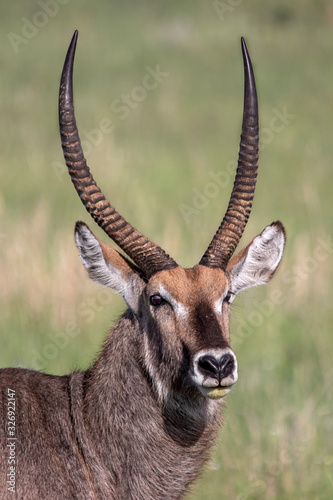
108,267
256,264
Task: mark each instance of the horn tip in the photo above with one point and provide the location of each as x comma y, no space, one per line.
72,45
65,91
244,50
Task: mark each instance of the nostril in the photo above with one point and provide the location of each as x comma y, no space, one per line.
209,364
226,365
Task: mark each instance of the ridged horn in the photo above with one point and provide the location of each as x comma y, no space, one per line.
231,229
149,257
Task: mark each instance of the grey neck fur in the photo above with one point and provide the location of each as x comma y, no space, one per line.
109,427
133,421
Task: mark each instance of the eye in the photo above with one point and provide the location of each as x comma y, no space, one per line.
156,300
228,297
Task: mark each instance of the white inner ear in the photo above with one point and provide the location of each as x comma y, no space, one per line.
260,261
105,273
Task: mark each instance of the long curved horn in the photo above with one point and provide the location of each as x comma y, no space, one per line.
149,257
231,229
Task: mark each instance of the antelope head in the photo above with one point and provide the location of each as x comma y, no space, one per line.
183,314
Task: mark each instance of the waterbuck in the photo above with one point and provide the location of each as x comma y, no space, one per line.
138,424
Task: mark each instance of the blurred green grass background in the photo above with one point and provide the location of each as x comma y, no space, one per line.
277,439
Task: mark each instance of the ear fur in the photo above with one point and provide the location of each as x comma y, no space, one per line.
257,263
108,267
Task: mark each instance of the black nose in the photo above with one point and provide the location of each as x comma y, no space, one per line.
217,368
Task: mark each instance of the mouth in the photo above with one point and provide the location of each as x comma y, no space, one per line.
215,392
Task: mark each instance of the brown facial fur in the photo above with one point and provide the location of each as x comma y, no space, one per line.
190,285
197,289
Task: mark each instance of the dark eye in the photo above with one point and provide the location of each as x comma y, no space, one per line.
156,300
227,298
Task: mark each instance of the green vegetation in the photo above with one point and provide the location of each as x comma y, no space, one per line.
165,143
